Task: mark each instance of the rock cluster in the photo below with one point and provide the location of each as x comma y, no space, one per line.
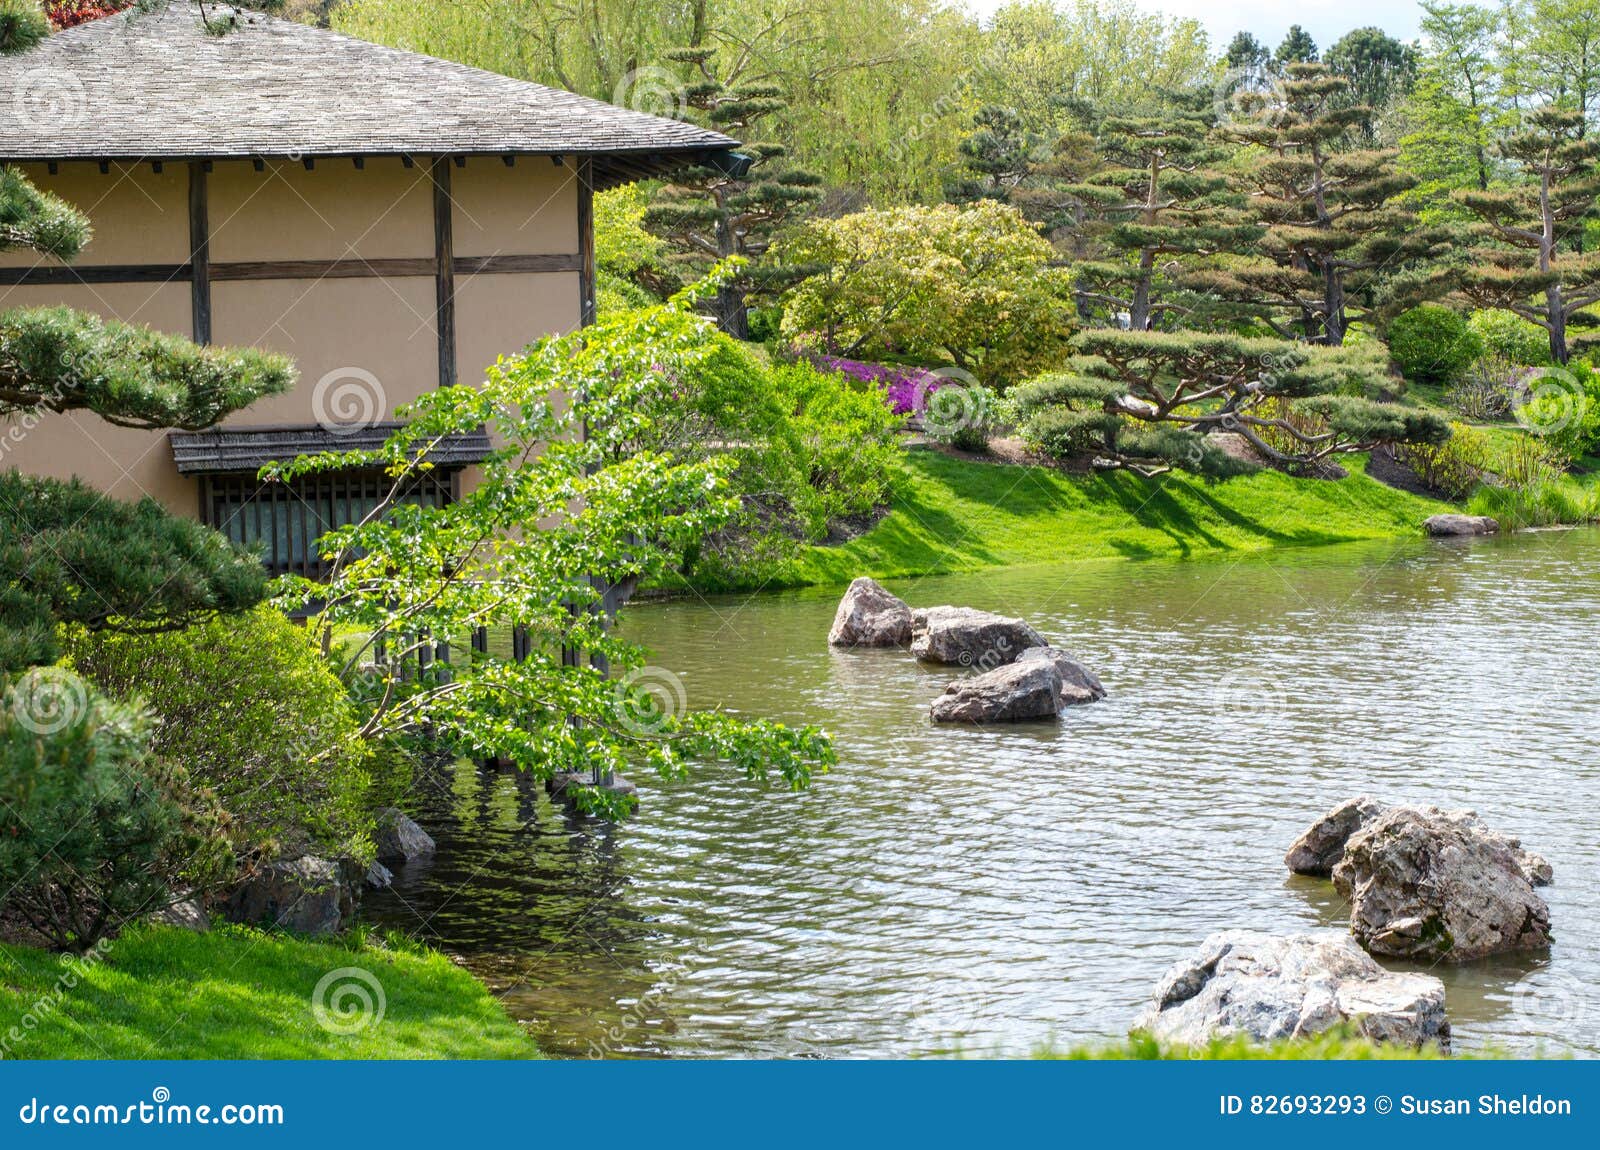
1019,675
1268,987
1428,884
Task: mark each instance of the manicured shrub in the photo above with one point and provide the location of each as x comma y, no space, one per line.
1507,336
1432,344
95,830
251,709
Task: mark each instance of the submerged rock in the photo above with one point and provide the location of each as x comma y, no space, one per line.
1008,694
1434,886
1452,524
1267,987
398,838
306,895
1078,683
970,638
868,616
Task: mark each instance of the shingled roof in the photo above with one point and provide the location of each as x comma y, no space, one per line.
157,86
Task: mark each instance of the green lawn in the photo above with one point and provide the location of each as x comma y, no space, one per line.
952,515
159,992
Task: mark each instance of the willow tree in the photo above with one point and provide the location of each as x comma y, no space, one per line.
1333,224
1530,259
1155,201
1149,402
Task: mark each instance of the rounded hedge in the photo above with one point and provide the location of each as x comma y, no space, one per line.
1432,344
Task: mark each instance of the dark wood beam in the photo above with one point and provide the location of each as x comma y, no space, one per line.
103,274
241,270
586,273
199,253
444,271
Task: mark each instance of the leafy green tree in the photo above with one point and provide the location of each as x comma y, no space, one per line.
1461,82
972,286
1559,62
558,517
1296,47
1149,402
1155,200
1333,223
94,830
1379,68
1529,259
710,213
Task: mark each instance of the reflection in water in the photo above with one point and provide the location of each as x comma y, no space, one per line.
990,889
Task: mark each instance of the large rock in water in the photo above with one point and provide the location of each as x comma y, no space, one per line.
306,895
1078,683
398,838
1017,691
1319,849
1428,885
1452,524
970,638
868,616
1269,987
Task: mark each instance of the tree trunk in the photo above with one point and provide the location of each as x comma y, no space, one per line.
1558,324
1333,324
732,313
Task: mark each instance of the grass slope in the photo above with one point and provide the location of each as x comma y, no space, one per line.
159,992
952,515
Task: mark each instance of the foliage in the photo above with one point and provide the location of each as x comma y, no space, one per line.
242,704
709,213
1432,344
1147,401
1455,467
1539,504
971,285
71,555
962,416
236,993
1379,69
1507,336
563,510
905,389
1531,258
22,25
631,264
1490,388
1562,408
94,830
1334,224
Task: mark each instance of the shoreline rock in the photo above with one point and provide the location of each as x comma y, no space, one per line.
398,838
306,895
1271,987
1451,525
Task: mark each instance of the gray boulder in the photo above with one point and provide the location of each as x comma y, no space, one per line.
1428,885
1319,850
398,838
868,616
1451,524
185,914
1078,683
306,895
1017,691
969,638
378,876
1267,987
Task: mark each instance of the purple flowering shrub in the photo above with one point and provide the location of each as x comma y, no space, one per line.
906,389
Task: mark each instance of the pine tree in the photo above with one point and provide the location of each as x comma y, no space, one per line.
1156,198
709,213
69,554
1296,47
1334,230
998,156
1530,259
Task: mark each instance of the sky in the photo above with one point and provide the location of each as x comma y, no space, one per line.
1326,20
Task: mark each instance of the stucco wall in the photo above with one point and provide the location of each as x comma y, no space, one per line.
370,342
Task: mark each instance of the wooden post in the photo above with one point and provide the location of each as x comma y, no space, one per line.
444,261
199,253
586,273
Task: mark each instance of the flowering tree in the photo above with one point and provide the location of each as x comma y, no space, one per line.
559,515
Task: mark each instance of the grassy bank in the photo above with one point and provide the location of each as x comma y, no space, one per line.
158,992
953,515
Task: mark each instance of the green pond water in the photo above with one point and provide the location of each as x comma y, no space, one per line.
988,890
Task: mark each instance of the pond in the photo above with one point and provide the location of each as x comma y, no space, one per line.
984,891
